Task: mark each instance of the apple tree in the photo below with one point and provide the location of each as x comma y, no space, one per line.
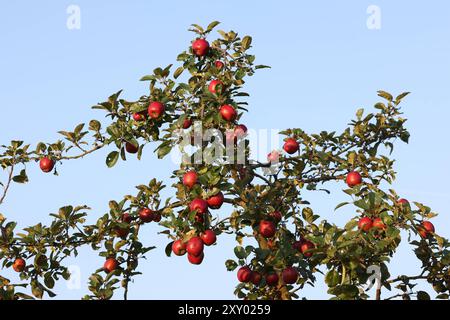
282,244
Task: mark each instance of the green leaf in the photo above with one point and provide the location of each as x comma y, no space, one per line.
399,98
385,95
21,178
332,278
240,252
94,125
112,158
212,25
422,295
148,78
168,249
340,205
178,72
246,42
359,113
163,151
231,265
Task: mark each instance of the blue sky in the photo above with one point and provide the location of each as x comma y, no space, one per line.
325,62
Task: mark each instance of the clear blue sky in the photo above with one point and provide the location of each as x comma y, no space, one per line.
325,63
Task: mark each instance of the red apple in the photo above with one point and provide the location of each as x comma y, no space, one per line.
187,123
131,148
365,224
228,112
121,232
353,179
199,205
200,47
256,278
156,217
110,265
276,216
195,246
272,279
267,228
199,217
208,237
291,145
402,201
297,245
19,265
196,259
213,84
46,164
126,218
425,229
179,247
244,274
219,64
378,224
305,246
216,201
137,116
289,275
146,215
190,178
155,109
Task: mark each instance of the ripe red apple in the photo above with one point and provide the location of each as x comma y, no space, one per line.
267,228
273,157
199,205
199,217
297,245
272,279
19,265
196,260
190,178
46,164
208,237
126,218
179,247
256,278
146,215
425,229
110,265
187,123
291,145
200,47
227,112
276,216
131,148
195,246
365,224
244,274
219,64
289,275
121,232
216,201
402,201
353,179
156,217
213,84
305,246
378,224
137,116
155,109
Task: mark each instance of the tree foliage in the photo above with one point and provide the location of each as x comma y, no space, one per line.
253,192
